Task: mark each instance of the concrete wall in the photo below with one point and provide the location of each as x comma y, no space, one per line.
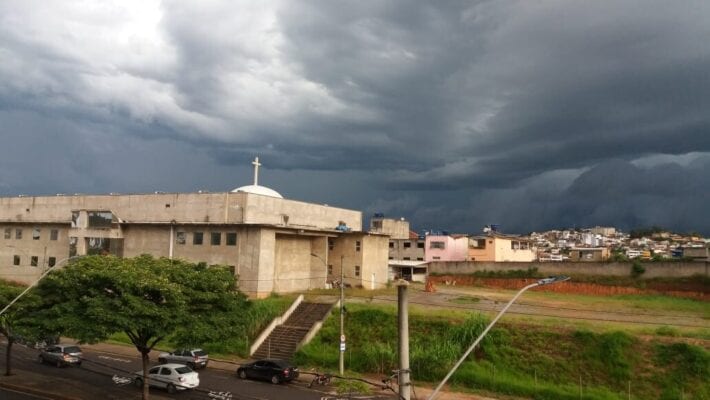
221,208
27,247
275,211
395,228
292,263
374,266
398,251
653,270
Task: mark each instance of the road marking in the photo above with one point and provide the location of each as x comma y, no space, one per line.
123,360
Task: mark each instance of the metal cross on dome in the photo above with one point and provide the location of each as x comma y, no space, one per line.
256,165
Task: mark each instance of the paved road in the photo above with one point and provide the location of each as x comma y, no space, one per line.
8,394
100,377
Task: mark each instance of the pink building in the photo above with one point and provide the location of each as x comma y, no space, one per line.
446,248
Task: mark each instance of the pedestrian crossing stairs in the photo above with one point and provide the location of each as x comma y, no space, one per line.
297,330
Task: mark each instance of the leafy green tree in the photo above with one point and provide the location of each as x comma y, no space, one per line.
146,298
16,320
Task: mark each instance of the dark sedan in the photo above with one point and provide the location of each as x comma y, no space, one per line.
276,371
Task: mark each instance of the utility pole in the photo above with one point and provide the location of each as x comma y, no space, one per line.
403,317
342,318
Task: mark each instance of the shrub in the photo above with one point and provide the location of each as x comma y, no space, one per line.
637,269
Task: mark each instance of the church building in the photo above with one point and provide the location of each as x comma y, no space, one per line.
273,245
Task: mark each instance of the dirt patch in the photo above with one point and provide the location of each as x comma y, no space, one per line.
567,287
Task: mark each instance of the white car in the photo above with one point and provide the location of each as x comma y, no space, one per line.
172,377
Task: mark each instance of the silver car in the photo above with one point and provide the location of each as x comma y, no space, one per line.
61,355
193,358
172,377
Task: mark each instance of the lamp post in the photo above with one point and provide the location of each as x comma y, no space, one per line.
36,281
545,281
342,318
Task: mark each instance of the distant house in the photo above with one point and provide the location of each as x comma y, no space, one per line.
700,253
445,248
589,254
500,248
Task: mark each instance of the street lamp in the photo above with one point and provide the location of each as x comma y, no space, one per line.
545,281
325,265
36,281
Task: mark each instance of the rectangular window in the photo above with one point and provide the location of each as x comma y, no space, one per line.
180,237
231,238
477,244
72,246
357,245
420,259
331,244
8,233
35,234
52,261
54,234
33,261
437,245
391,245
357,270
330,269
407,245
197,238
16,260
437,258
100,219
420,245
407,258
18,233
75,219
216,238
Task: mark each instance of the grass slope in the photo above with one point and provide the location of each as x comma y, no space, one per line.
522,360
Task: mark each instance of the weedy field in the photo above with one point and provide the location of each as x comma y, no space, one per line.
550,346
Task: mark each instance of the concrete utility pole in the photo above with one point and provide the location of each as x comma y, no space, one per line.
545,281
405,387
342,318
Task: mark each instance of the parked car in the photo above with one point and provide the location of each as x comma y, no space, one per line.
193,358
276,371
61,355
172,377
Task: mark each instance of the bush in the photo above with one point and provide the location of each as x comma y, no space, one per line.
637,269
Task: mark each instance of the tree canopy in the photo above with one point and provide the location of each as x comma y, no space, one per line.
149,299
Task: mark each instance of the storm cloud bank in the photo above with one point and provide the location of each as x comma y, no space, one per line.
533,115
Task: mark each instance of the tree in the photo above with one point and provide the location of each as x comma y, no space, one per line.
16,319
146,298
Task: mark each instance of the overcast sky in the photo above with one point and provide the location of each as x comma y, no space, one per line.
453,114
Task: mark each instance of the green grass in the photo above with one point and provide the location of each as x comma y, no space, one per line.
258,315
515,359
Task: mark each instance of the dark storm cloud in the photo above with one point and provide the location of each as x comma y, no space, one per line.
452,114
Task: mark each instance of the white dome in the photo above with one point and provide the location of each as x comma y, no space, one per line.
256,189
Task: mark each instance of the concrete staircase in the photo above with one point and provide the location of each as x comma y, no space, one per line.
284,340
